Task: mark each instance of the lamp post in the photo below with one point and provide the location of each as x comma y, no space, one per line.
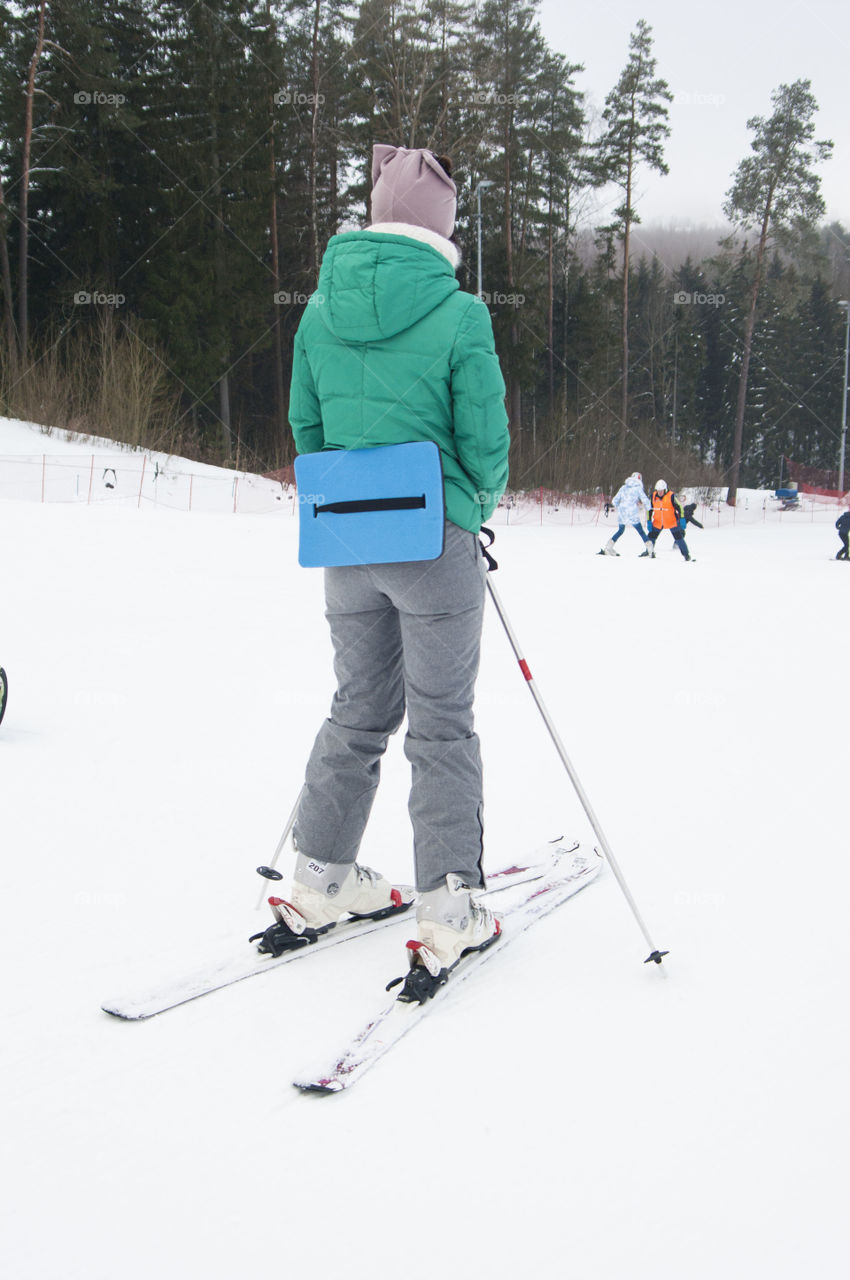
478,190
846,306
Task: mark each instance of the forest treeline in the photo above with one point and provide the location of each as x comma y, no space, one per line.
171,174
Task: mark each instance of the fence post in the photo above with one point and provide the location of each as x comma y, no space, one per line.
91,478
43,470
142,480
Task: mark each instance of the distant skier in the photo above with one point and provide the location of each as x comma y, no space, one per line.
630,503
688,510
842,524
667,513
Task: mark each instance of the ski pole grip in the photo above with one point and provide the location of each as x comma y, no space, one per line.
492,562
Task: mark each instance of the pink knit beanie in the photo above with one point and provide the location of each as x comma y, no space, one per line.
412,187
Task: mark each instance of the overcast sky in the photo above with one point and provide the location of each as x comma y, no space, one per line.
721,60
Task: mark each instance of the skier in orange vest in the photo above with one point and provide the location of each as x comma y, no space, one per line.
667,513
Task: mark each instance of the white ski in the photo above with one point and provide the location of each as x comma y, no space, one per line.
573,869
241,963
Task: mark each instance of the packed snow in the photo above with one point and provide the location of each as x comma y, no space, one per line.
569,1112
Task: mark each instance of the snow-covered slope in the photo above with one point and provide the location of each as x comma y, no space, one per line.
570,1113
56,466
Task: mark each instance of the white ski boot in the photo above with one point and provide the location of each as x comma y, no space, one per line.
450,923
340,892
324,892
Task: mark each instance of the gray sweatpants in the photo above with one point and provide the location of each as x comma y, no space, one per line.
403,635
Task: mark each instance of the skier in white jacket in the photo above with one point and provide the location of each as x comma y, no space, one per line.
631,504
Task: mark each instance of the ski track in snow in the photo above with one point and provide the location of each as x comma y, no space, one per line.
569,1113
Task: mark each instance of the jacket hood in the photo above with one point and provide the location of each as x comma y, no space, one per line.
375,284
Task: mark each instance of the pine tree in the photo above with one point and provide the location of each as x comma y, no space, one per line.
208,276
92,159
635,117
689,349
10,81
23,200
560,133
510,62
775,191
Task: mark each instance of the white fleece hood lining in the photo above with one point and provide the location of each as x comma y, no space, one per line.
423,234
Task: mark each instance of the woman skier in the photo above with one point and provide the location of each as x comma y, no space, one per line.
630,503
390,351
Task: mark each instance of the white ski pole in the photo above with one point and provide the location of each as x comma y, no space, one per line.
655,954
269,872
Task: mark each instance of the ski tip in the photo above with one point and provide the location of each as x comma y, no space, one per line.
322,1087
115,1011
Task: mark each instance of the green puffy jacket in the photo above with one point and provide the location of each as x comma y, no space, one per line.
389,351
